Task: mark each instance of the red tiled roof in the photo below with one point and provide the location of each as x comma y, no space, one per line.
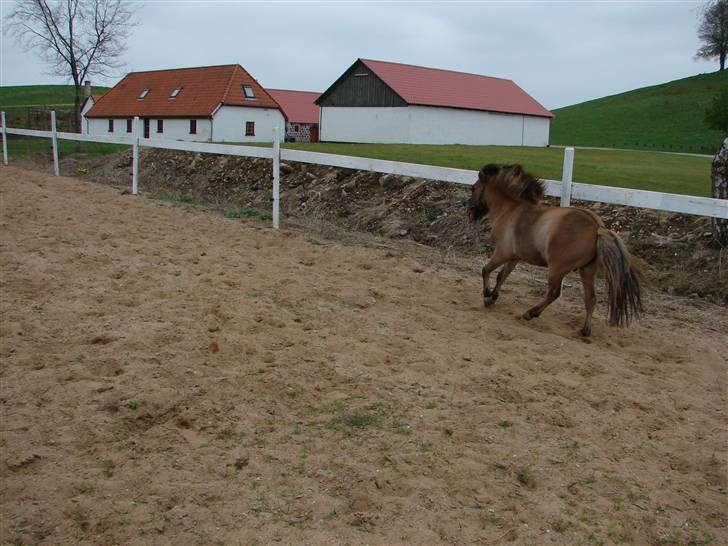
435,87
203,89
298,106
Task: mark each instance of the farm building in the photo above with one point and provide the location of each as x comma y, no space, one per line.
384,102
214,103
302,114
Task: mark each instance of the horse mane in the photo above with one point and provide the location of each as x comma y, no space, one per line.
514,182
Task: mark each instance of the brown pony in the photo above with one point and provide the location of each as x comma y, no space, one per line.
562,239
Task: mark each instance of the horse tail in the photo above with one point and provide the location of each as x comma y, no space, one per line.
622,276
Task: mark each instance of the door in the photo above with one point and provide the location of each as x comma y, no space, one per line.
146,127
314,133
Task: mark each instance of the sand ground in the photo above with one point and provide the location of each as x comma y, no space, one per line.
170,376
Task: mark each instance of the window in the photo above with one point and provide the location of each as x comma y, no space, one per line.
193,126
249,128
295,127
111,125
249,92
128,126
160,125
143,94
175,93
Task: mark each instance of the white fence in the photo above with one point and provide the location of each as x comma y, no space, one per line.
565,188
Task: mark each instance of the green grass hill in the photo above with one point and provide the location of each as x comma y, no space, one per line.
667,117
58,97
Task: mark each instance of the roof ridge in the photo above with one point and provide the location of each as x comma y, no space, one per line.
230,83
290,90
183,68
438,69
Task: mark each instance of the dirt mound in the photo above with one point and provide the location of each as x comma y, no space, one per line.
674,249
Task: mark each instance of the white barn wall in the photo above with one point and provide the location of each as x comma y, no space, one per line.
431,125
364,124
229,124
174,128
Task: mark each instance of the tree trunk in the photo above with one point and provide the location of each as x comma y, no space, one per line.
719,175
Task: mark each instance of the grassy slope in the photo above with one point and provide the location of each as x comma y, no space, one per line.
23,96
642,170
662,117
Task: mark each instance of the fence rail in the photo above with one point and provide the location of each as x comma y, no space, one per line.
565,188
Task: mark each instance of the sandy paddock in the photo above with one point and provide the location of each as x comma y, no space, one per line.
170,376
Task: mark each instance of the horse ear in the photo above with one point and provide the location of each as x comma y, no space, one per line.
491,169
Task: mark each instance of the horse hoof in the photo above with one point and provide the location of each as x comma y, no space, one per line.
585,332
488,301
487,293
527,315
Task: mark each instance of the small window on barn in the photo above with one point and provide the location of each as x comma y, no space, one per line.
249,128
160,125
111,125
295,127
193,126
128,126
249,91
361,75
174,93
143,94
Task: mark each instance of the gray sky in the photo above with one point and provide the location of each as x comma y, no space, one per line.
561,53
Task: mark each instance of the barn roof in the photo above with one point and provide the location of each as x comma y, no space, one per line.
298,106
419,85
202,90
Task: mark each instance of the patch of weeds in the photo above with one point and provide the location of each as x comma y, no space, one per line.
134,404
227,433
177,197
360,420
36,307
560,526
400,428
431,405
617,502
248,213
427,446
505,424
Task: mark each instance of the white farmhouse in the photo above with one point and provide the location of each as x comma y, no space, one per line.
384,102
214,103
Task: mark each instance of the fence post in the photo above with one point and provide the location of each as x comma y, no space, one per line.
566,177
276,177
54,140
5,141
135,158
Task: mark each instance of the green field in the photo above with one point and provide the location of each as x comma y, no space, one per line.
41,147
630,169
668,117
40,96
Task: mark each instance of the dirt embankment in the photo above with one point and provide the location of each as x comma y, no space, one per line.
674,249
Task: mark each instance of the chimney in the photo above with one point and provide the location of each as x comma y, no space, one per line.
87,89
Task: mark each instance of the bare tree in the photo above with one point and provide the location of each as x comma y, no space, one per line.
76,38
713,32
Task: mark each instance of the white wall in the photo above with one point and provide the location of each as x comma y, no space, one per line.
229,124
84,121
174,128
431,125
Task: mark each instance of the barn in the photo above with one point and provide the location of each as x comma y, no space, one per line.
302,113
385,102
215,103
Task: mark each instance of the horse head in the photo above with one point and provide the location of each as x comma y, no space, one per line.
477,205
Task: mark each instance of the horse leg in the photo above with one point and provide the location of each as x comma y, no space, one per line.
554,291
495,262
588,273
502,276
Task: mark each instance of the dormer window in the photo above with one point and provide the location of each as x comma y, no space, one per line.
174,93
249,92
143,94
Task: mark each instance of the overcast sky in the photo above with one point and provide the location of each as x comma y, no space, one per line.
561,53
